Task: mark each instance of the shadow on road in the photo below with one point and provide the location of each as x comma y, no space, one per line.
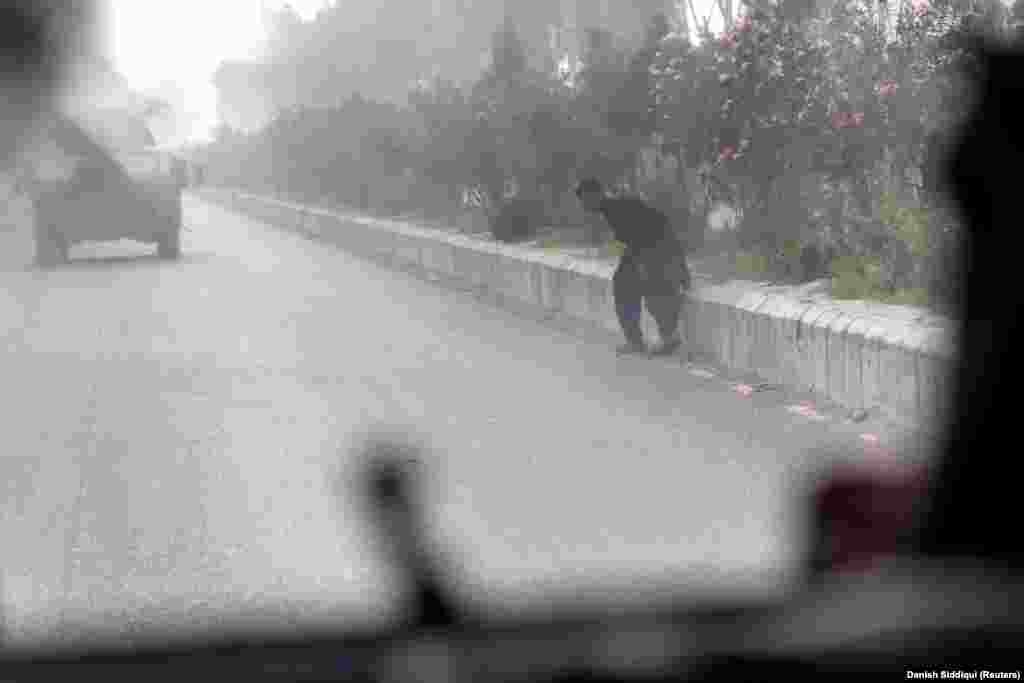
93,262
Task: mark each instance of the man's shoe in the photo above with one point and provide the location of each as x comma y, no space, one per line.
631,348
667,348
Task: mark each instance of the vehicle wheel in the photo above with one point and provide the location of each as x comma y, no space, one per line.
51,250
169,245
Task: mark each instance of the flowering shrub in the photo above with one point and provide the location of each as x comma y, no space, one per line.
816,116
807,125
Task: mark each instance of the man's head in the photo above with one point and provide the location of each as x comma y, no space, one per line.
590,192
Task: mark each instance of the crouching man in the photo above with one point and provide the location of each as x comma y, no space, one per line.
652,271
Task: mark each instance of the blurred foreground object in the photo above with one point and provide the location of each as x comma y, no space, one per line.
394,490
977,493
38,41
862,515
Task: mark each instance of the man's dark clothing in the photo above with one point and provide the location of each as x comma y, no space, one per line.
637,224
653,279
652,269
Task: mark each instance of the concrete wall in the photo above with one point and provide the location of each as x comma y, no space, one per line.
861,356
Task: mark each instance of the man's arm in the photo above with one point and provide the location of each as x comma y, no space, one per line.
596,229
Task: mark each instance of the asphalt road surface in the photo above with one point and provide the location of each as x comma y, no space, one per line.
172,432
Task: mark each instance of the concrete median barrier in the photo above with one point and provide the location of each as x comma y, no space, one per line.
776,354
851,353
439,259
554,279
587,295
407,250
317,224
518,278
812,348
475,264
898,372
838,351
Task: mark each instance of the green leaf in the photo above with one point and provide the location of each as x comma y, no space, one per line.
752,264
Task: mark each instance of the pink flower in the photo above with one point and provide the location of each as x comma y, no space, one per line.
845,120
728,40
921,7
887,88
727,154
745,24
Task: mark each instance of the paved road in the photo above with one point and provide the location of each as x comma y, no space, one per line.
171,430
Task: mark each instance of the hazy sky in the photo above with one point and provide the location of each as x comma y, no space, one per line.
156,41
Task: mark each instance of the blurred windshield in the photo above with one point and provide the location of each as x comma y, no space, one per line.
176,427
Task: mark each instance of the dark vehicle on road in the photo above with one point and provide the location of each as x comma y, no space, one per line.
111,183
